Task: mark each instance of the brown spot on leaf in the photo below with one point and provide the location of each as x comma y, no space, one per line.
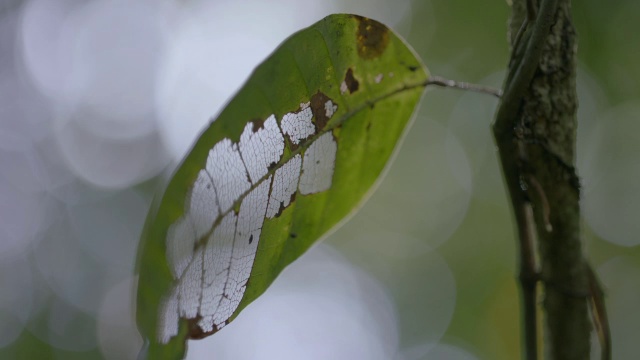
319,112
257,125
282,207
291,145
196,332
351,82
372,38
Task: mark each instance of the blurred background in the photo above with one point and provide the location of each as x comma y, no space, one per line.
100,99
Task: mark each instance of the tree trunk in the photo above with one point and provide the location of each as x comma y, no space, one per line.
535,130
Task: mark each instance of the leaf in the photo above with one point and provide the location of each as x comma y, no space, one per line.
291,156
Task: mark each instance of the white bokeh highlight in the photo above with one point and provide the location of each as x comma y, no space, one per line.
101,80
46,56
123,213
611,173
427,310
64,326
439,199
77,278
468,131
118,337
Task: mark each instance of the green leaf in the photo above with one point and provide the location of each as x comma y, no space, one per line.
290,157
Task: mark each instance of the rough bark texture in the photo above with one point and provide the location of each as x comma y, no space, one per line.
547,132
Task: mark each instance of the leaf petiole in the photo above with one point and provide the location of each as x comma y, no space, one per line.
440,81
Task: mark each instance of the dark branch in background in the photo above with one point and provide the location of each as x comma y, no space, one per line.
535,133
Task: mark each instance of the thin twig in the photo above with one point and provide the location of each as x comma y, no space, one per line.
599,313
440,81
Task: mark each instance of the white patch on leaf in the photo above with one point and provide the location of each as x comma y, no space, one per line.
212,273
169,318
318,165
229,175
180,240
284,185
262,148
245,245
190,287
343,88
330,108
217,261
203,204
298,125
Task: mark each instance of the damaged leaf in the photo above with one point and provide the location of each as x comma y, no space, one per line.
294,153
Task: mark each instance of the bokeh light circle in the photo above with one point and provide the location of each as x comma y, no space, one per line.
123,213
611,173
118,337
418,278
105,161
101,80
470,122
430,192
46,58
75,276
